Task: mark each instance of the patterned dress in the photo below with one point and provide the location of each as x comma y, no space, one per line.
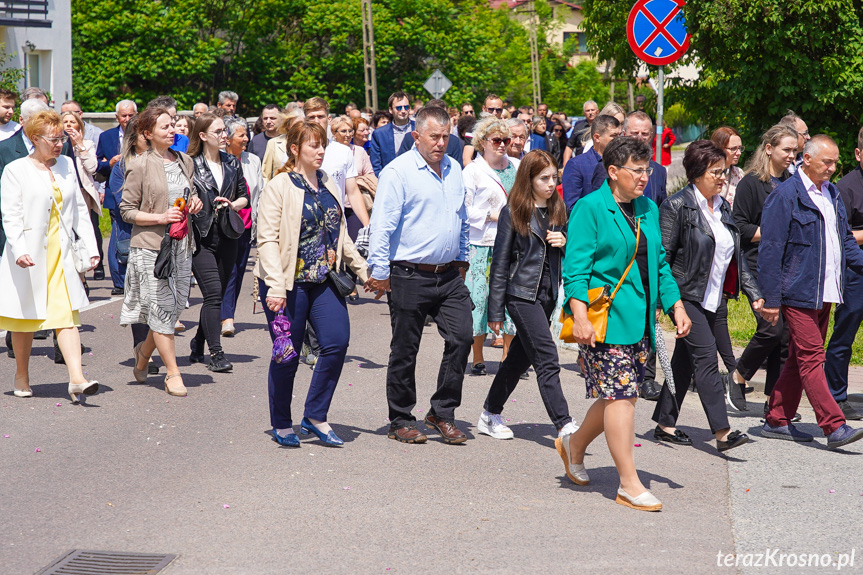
158,303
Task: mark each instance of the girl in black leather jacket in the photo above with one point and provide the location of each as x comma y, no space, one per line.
525,278
221,186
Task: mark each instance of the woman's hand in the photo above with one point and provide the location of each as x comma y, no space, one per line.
25,261
94,261
495,326
276,304
194,205
681,320
172,216
555,239
758,305
76,137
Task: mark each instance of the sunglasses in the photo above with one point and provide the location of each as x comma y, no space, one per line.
401,108
498,141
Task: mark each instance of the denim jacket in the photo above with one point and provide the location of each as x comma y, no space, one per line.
792,251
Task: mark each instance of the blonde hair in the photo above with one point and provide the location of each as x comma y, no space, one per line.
485,128
41,122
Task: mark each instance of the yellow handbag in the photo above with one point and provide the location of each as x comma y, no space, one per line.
599,302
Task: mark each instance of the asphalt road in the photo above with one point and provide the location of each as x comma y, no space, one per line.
135,470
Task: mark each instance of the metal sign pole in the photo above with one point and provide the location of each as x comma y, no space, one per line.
659,111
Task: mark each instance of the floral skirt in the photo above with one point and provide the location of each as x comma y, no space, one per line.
476,281
613,371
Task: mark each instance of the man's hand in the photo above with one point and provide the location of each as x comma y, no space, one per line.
770,314
379,286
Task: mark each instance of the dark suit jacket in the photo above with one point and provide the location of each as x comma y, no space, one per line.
11,149
383,147
656,185
108,147
454,148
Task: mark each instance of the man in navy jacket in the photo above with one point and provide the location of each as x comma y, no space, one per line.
578,172
387,140
805,246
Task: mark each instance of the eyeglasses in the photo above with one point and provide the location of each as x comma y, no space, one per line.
401,108
55,141
718,173
640,172
498,141
736,149
495,110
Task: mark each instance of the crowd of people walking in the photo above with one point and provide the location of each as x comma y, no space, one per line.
492,223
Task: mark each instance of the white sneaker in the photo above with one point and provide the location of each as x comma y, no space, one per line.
492,424
568,429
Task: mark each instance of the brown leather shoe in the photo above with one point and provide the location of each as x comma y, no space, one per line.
408,434
447,429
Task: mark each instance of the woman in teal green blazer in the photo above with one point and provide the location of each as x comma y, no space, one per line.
602,232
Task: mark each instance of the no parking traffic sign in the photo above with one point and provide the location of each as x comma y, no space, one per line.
657,32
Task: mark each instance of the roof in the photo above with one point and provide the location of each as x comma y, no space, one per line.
516,3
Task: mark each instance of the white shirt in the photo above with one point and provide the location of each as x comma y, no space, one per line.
833,247
723,250
8,129
339,165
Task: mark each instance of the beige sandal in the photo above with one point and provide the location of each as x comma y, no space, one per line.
139,374
177,389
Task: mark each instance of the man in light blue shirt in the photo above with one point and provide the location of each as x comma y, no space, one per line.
418,252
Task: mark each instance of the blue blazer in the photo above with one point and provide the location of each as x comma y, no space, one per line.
383,147
454,148
792,250
108,147
578,177
11,149
656,185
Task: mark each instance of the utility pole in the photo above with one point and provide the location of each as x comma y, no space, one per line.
534,57
370,73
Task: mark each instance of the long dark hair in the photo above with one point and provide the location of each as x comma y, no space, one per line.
521,203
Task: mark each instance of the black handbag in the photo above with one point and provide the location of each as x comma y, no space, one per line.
230,222
164,267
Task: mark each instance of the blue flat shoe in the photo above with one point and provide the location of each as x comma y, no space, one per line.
329,438
290,440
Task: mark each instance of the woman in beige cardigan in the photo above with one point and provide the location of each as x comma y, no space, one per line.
302,238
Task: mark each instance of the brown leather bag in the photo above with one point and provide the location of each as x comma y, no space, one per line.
599,302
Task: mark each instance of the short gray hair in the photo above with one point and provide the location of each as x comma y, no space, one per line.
232,123
228,95
431,113
817,144
488,125
125,104
32,106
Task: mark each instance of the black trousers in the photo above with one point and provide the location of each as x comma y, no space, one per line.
534,346
697,349
414,295
212,267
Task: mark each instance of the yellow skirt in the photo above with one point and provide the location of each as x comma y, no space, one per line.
59,307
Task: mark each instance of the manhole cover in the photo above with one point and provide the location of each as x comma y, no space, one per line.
80,562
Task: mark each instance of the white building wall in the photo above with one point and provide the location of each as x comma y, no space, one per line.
51,52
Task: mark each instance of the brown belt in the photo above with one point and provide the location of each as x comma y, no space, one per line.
435,269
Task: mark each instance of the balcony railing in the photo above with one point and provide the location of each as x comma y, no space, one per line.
25,13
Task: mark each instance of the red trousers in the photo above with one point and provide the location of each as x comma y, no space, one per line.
804,370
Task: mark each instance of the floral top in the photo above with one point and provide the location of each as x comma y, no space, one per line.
319,232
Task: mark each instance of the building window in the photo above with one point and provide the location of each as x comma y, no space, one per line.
575,42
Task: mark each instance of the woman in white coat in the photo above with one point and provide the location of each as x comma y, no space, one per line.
487,181
42,206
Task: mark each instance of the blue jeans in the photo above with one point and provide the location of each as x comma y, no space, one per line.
235,282
846,322
327,311
119,230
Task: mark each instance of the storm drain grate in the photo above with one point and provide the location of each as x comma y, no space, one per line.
80,562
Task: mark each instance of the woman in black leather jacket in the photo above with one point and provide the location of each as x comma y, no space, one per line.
221,186
702,245
524,278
